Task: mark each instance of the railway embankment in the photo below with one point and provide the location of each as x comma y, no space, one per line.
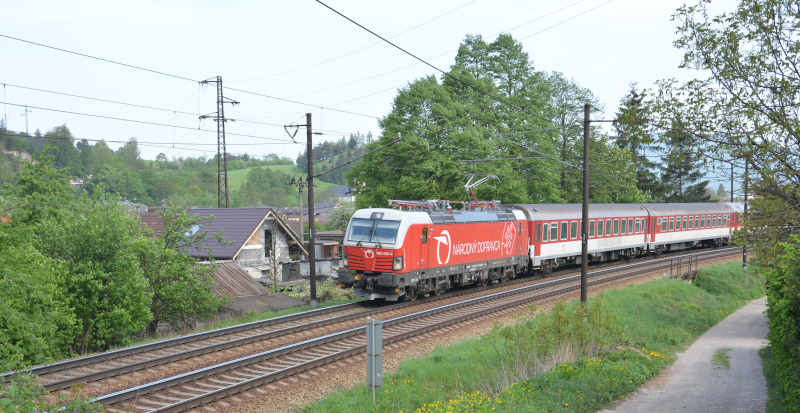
563,358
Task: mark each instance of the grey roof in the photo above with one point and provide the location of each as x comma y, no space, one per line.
657,210
238,225
573,211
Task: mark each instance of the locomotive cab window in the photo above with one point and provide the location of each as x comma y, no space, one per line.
573,230
564,230
591,228
373,230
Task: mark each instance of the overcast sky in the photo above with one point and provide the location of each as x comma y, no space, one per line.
295,57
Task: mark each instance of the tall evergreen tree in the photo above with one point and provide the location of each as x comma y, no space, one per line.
633,134
681,173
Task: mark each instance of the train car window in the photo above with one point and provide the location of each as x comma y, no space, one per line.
608,227
599,227
624,229
672,224
724,220
519,228
616,227
553,231
697,222
630,225
424,235
573,230
713,221
638,225
564,230
664,225
544,232
591,228
719,220
691,222
685,222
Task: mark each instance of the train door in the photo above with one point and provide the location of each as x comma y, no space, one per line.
424,248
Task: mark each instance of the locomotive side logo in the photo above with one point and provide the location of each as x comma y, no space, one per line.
369,254
509,235
443,239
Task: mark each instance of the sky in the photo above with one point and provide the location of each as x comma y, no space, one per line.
282,59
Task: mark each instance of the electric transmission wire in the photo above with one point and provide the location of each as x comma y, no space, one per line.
446,74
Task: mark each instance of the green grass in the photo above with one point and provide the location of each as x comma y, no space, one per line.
237,177
721,360
566,364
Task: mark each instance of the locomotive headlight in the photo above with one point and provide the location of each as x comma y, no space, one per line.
344,260
397,263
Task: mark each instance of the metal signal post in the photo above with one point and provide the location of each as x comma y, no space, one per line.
222,155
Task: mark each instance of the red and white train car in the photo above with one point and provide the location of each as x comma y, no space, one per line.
615,231
422,249
679,226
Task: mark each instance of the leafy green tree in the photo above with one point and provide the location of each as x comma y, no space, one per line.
63,143
105,288
36,324
340,216
182,290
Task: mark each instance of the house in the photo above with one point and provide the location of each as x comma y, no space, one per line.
256,239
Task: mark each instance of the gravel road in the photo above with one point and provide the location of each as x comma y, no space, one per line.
720,372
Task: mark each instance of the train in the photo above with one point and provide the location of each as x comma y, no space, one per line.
421,248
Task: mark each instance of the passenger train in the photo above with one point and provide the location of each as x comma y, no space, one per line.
419,248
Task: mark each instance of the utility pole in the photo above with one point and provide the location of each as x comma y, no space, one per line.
311,237
744,247
25,113
300,184
222,153
585,206
310,184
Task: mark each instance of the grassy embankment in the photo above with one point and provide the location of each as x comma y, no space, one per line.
558,361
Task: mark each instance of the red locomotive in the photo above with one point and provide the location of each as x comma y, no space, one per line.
425,247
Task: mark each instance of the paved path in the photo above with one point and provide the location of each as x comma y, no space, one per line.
699,381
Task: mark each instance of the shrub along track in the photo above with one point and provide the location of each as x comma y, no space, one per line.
221,381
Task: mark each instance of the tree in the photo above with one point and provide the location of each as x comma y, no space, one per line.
63,146
681,174
722,193
632,126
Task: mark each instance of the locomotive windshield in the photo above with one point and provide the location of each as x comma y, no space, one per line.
373,230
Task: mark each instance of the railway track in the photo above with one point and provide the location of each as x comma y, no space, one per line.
206,385
63,375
